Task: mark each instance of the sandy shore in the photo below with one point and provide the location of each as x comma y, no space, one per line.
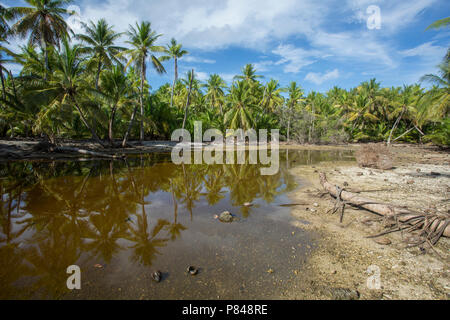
345,254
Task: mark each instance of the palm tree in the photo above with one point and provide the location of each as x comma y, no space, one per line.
295,96
5,16
248,74
142,39
241,101
67,82
44,22
174,51
116,92
440,23
272,96
100,46
215,91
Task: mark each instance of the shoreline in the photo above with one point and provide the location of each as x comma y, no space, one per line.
25,149
345,257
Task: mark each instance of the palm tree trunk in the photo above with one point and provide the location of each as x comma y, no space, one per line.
289,128
13,84
86,123
188,98
110,126
127,134
97,78
395,127
174,82
45,51
2,76
143,70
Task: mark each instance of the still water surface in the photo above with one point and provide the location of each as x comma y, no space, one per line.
122,220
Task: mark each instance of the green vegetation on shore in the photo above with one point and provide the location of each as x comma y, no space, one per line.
87,86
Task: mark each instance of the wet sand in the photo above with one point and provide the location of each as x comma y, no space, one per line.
345,254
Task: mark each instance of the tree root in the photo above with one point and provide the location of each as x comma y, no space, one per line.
430,226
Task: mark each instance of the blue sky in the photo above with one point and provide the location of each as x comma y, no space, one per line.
317,44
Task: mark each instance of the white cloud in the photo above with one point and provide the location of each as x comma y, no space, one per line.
198,60
425,51
208,24
263,66
202,76
294,59
319,78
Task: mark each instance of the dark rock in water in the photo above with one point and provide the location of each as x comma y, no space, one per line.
156,276
435,174
226,216
192,270
344,294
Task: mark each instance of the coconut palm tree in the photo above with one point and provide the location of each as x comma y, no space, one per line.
116,92
174,51
44,22
67,82
215,91
142,38
295,97
440,23
272,96
99,40
241,101
249,74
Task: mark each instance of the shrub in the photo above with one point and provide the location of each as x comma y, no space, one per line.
375,156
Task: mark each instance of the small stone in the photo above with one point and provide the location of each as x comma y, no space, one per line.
359,174
410,182
226,216
316,204
418,170
345,184
248,204
270,271
344,294
383,241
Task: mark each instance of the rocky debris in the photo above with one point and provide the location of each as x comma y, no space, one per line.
156,276
226,217
343,294
192,270
383,241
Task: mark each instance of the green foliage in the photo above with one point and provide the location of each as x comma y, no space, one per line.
88,86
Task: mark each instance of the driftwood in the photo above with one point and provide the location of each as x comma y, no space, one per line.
86,152
433,226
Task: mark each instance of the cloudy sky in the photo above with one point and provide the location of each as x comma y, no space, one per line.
319,44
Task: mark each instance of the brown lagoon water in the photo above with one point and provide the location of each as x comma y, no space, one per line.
145,214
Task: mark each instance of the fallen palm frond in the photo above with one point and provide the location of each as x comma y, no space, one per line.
431,227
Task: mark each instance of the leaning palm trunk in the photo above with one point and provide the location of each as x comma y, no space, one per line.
395,127
127,134
86,123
